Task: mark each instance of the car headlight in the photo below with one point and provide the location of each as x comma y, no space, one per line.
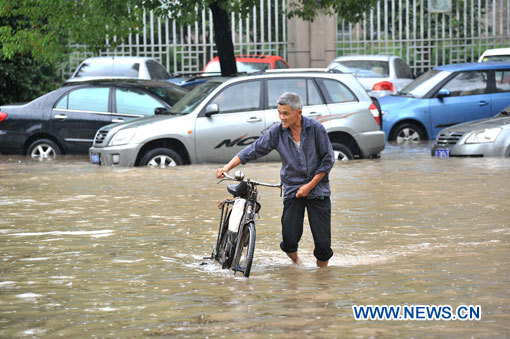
483,136
122,137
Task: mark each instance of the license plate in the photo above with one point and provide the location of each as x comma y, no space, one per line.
442,153
94,157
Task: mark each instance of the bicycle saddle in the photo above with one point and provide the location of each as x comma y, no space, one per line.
238,190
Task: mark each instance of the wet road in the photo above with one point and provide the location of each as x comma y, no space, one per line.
115,252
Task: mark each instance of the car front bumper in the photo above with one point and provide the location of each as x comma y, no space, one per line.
371,143
124,155
470,150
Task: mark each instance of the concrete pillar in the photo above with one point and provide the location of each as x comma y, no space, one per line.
311,44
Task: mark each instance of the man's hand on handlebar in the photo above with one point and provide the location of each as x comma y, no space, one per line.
219,173
236,161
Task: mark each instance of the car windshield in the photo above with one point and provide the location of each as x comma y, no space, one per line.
170,95
214,67
423,84
194,98
366,68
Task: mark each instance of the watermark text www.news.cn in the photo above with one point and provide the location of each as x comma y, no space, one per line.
416,312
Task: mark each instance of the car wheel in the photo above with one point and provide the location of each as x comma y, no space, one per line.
44,149
408,134
342,152
161,157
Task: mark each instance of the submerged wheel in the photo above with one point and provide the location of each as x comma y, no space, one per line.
342,152
44,149
408,133
245,250
224,251
161,157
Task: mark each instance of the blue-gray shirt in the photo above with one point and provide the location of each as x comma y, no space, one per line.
299,166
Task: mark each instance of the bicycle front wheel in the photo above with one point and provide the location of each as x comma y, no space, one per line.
245,250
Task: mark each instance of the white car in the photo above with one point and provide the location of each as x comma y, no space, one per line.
380,75
120,67
495,54
220,117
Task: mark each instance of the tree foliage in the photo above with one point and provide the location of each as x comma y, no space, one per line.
348,10
47,27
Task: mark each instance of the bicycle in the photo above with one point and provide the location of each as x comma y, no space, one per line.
235,244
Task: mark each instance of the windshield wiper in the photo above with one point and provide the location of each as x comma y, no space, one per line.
403,94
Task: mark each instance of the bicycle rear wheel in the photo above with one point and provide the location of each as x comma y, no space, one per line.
245,249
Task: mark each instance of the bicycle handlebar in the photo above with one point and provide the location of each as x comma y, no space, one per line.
229,177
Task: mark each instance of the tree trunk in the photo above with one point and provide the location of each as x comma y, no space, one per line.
223,38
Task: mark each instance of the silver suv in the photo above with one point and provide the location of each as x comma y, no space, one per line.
223,115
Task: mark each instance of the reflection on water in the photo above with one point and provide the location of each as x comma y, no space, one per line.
91,251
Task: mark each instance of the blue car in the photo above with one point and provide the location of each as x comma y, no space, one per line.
445,96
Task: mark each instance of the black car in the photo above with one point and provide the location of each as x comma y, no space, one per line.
65,120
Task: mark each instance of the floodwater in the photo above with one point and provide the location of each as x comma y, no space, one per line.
89,251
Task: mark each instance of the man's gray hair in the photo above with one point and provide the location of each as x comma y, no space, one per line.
291,99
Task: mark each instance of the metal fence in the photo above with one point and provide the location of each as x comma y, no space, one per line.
408,28
425,37
185,49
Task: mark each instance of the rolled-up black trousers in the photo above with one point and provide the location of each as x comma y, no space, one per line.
319,216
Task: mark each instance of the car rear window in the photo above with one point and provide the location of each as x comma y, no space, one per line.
336,92
496,58
367,68
503,81
108,68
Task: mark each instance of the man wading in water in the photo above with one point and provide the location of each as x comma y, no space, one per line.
307,157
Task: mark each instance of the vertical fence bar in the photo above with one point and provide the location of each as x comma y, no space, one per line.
277,28
269,22
255,35
262,28
284,33
472,32
211,36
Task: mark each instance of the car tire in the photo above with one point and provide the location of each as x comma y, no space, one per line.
43,149
408,133
342,152
161,157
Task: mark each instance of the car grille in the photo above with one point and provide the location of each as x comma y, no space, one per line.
100,136
448,138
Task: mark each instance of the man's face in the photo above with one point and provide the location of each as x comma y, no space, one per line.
288,116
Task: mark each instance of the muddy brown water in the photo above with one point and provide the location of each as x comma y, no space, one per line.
89,251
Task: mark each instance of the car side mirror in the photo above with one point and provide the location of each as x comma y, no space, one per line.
443,92
161,111
212,109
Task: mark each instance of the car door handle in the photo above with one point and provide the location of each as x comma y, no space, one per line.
314,114
118,120
483,103
60,116
254,119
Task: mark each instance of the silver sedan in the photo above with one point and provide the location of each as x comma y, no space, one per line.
481,138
